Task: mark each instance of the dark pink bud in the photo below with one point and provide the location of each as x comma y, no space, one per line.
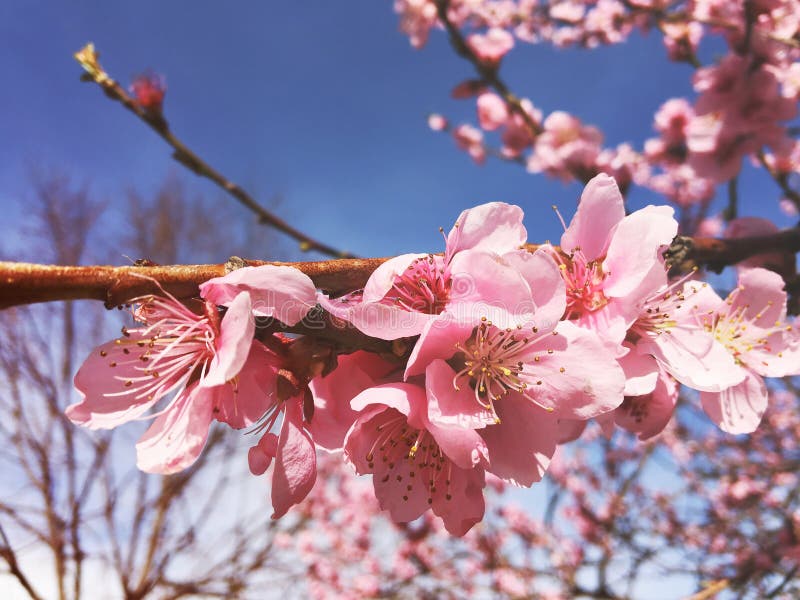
148,90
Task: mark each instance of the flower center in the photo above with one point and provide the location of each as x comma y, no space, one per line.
738,333
173,348
584,283
423,287
491,362
409,458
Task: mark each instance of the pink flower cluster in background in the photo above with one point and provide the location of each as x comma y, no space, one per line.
744,103
503,351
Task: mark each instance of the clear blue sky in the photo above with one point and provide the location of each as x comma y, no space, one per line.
321,102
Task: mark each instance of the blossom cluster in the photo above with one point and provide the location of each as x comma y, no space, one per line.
743,104
497,352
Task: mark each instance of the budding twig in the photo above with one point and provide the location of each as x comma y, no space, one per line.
88,58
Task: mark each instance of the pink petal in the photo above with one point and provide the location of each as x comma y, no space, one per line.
449,407
601,208
438,340
737,409
647,415
694,358
761,297
175,439
295,462
359,439
463,505
400,396
570,430
233,345
521,446
383,278
276,291
494,227
97,380
333,415
387,322
243,402
465,447
547,287
634,252
579,379
641,373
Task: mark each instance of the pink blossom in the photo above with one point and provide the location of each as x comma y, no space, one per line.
646,415
669,328
492,46
740,109
566,148
610,262
212,365
332,394
148,90
284,293
408,291
470,140
492,111
295,465
682,39
751,325
437,122
417,17
416,465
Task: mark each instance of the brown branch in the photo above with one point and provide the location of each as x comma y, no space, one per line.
28,283
88,58
488,72
8,554
714,254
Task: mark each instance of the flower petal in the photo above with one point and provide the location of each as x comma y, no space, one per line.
634,261
276,291
521,446
600,209
383,278
737,409
175,439
451,407
493,227
295,461
234,341
333,415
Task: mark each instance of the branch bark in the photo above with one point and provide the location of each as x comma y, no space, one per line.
29,283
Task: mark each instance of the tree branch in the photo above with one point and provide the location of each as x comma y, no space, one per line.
88,58
28,283
487,72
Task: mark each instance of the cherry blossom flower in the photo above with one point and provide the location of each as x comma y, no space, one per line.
408,291
416,465
751,325
491,46
611,262
212,365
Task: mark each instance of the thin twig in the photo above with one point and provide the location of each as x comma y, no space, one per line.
87,57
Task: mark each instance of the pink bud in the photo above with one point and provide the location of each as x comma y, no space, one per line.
148,90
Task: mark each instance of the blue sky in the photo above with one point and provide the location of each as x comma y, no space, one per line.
323,103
